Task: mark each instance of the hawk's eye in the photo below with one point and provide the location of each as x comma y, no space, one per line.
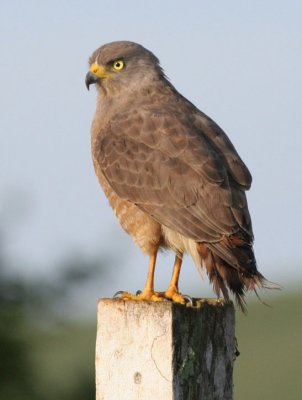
118,65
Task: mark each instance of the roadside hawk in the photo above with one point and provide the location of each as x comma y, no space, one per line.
170,173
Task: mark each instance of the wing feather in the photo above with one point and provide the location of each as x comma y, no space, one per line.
236,167
168,166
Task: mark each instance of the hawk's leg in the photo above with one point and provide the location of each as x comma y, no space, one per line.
172,293
148,292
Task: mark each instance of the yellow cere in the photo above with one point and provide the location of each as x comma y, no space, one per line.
100,71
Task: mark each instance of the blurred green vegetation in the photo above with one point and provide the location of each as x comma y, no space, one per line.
42,357
270,345
62,360
47,346
46,355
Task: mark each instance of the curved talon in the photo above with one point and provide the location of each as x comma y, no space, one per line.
118,294
189,300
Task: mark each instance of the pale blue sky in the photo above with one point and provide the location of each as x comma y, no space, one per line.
240,62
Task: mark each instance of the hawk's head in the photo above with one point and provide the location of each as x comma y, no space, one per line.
122,64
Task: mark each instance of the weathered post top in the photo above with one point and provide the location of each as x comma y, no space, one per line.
164,351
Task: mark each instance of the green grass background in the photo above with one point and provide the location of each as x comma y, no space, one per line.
270,342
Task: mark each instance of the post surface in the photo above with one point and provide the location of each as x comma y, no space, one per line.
164,351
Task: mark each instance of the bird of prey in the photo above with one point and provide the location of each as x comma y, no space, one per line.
170,173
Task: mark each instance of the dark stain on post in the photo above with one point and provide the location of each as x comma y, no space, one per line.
137,378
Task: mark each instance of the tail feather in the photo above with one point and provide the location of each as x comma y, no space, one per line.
217,280
232,280
231,267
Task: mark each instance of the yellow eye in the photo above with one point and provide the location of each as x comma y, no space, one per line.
118,65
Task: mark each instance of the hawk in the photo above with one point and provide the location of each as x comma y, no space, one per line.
171,175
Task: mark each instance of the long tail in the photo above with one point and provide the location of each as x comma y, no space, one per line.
231,267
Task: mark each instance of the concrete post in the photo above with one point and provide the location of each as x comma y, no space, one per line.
165,351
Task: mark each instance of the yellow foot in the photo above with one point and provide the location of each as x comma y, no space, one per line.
173,294
148,295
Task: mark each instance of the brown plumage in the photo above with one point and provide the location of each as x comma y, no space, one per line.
172,176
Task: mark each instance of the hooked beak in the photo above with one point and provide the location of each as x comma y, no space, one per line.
90,79
96,73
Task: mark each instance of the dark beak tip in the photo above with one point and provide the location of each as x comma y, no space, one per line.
90,79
